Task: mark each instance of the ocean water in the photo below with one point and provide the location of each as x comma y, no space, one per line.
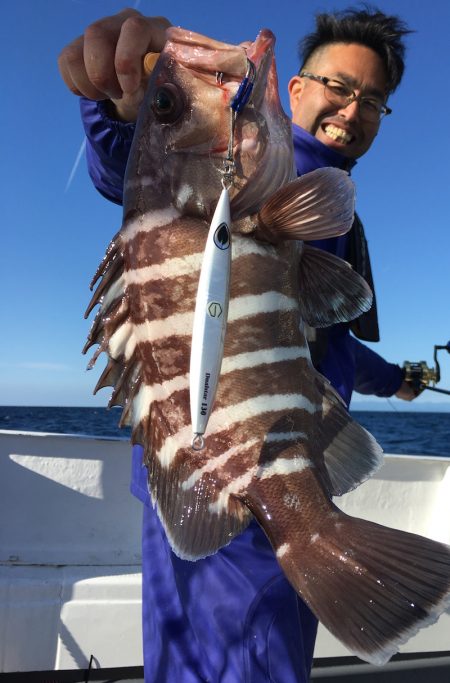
408,433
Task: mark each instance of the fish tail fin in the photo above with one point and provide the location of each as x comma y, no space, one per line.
371,586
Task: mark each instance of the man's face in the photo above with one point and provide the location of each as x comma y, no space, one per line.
355,65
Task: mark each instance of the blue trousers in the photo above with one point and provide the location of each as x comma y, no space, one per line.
229,618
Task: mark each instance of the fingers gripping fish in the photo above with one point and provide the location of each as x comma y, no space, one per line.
279,442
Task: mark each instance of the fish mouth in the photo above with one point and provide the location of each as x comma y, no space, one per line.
219,151
211,58
262,45
204,54
261,54
260,126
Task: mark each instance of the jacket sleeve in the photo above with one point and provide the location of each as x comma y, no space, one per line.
373,374
108,144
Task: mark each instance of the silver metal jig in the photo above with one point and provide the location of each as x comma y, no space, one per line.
211,310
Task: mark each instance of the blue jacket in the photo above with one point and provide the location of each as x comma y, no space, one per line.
233,616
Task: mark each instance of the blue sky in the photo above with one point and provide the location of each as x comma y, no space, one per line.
53,238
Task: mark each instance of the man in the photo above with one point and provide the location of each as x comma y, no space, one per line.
233,616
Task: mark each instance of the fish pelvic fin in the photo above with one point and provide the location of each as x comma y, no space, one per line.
330,291
372,587
315,206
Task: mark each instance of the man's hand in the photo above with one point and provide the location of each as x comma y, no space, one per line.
107,61
406,392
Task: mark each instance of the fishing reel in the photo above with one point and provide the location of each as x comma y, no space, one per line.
420,376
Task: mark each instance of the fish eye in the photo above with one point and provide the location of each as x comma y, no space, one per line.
167,103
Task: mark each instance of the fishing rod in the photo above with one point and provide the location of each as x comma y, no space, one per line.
420,376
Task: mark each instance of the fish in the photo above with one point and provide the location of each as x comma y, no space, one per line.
280,444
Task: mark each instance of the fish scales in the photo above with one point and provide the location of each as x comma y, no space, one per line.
244,383
279,443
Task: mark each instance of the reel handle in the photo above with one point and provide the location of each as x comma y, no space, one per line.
420,376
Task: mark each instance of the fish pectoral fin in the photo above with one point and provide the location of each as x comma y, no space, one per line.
351,454
315,206
330,291
371,586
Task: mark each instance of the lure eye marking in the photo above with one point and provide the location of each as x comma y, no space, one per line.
222,236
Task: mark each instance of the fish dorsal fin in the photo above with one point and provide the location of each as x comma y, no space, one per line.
112,331
330,290
351,454
315,206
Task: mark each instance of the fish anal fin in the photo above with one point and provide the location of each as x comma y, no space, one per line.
195,527
330,291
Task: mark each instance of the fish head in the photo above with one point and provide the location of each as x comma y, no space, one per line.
183,135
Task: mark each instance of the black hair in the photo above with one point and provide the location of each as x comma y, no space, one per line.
368,26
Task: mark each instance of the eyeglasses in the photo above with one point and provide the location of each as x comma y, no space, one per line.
371,109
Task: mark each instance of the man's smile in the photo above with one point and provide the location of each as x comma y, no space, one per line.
338,134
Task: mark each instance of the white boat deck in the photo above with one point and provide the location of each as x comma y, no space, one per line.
70,578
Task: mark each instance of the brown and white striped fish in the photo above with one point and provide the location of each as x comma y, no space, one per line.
279,442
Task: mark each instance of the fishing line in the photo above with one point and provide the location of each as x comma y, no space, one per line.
392,404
